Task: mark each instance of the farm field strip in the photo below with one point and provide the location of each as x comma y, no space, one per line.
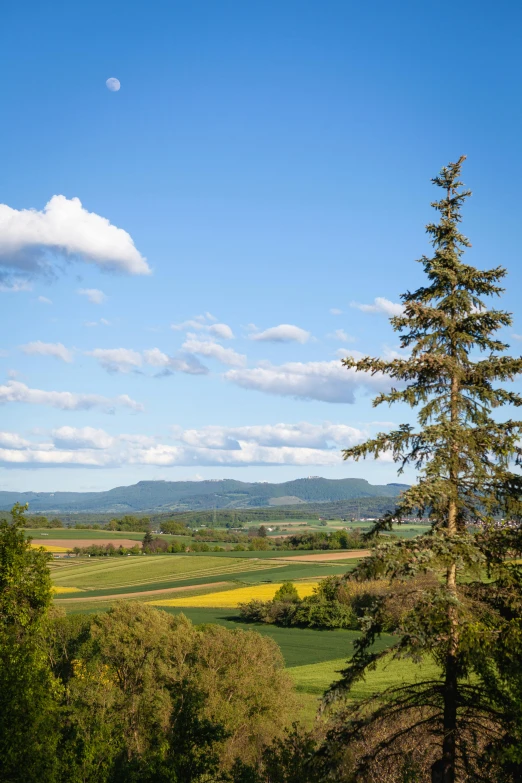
103,576
282,572
325,556
231,599
214,587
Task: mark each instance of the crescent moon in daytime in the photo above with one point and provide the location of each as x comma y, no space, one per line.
113,84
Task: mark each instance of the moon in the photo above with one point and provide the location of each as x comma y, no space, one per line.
113,84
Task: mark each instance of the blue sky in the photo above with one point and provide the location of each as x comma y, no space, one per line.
263,171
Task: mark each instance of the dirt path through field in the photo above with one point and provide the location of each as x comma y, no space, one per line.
142,592
348,555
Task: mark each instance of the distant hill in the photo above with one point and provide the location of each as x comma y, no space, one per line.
194,495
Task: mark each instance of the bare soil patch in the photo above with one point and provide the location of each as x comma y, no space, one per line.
348,555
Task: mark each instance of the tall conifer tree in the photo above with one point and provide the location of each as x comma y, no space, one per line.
455,374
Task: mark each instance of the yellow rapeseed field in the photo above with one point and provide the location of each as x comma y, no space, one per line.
230,599
57,589
51,547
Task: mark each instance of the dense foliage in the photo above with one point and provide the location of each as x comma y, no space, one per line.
134,694
334,604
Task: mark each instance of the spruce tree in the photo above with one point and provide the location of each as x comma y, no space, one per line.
454,373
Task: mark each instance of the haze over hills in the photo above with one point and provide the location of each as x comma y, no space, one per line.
193,495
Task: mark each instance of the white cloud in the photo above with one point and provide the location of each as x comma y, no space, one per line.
81,438
94,295
284,333
516,336
342,336
156,358
117,359
335,311
14,391
11,440
222,331
182,363
44,300
31,239
205,322
380,305
389,354
326,381
302,435
302,444
125,360
213,350
186,363
57,350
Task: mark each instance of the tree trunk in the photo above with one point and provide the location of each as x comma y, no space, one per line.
446,770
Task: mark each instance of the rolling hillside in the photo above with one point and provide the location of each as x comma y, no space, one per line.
193,495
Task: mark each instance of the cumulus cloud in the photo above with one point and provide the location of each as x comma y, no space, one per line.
302,435
184,362
326,381
284,333
380,305
301,444
207,323
81,438
94,295
44,300
11,440
117,359
30,240
125,360
213,350
57,350
15,391
223,331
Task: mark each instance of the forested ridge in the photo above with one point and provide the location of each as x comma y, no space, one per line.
188,495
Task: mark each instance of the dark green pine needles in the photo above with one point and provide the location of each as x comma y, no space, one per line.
439,604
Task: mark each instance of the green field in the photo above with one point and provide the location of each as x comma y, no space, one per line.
312,680
300,646
119,572
248,576
99,577
315,678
